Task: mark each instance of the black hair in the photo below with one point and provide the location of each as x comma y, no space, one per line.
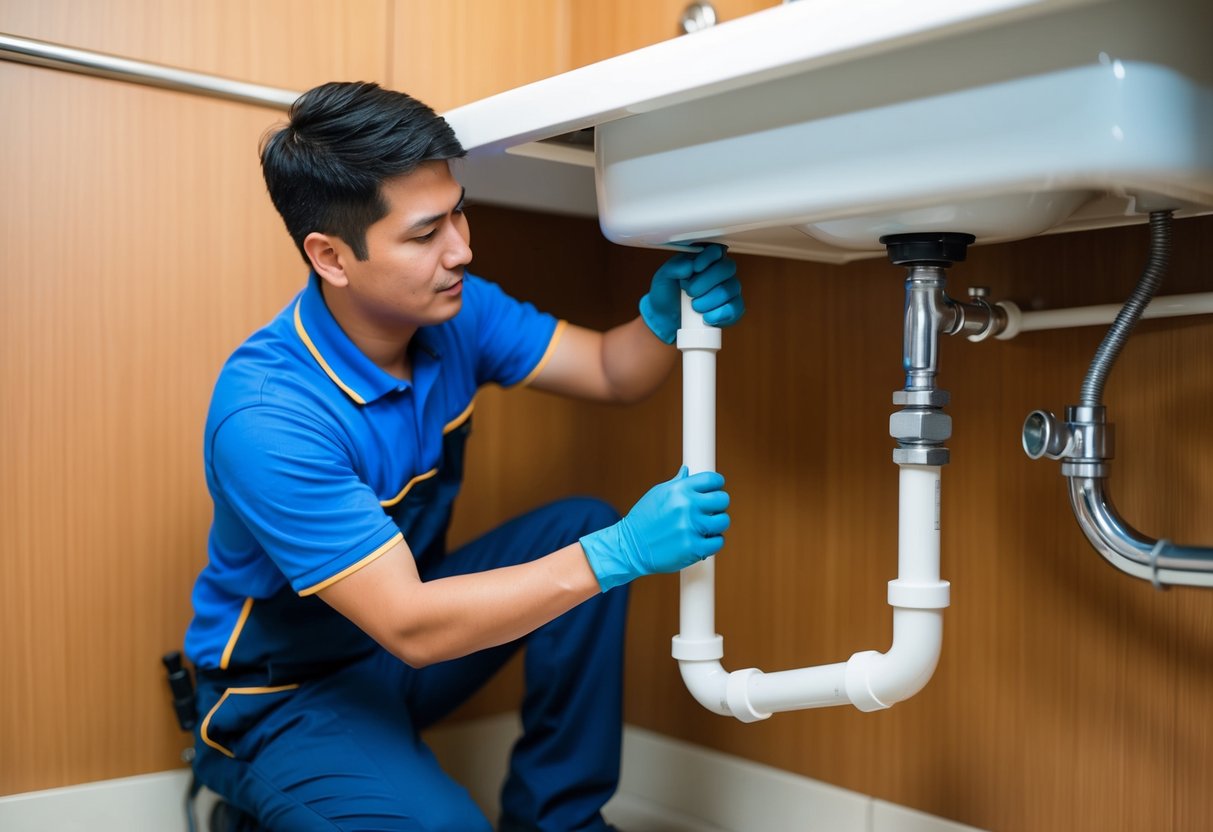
324,169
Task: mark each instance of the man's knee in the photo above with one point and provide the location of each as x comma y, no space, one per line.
587,514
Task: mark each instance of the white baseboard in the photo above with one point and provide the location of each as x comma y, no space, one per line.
667,786
672,786
146,802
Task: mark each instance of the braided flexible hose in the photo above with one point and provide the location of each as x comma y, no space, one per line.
1160,254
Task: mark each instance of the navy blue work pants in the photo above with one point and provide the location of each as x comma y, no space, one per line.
342,751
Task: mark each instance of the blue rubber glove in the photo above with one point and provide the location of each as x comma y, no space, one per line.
709,277
674,525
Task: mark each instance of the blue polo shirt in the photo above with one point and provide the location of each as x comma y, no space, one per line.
318,462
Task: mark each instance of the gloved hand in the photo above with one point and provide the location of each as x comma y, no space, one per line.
674,525
709,277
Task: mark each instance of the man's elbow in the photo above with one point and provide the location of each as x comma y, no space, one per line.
416,661
414,651
419,646
631,395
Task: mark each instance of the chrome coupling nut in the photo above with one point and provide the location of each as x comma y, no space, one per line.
922,455
921,398
920,425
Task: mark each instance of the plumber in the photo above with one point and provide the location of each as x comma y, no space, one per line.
331,625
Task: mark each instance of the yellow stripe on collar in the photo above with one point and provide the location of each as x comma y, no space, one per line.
324,365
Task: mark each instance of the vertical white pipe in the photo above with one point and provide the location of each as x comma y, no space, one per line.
697,614
918,524
697,647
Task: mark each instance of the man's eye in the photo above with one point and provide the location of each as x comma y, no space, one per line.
425,238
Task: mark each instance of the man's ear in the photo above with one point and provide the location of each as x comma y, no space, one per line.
326,258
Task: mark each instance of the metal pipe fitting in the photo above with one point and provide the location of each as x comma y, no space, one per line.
1045,435
1158,561
1090,435
921,427
978,319
927,313
1084,444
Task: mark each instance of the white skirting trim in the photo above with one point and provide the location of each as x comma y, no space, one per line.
673,786
667,786
149,801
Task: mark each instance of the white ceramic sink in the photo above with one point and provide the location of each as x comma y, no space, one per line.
811,129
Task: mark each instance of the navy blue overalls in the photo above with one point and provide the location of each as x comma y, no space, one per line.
318,462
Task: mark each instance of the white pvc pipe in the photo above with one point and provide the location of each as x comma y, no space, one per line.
918,597
869,680
697,646
698,616
805,687
1167,306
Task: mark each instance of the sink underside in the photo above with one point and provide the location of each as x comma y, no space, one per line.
1074,148
839,127
1043,126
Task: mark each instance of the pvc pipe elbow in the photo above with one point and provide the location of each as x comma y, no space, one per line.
721,692
705,680
875,681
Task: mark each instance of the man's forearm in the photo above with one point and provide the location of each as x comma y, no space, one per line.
426,622
635,361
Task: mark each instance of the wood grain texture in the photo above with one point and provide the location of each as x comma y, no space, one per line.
603,30
140,250
458,51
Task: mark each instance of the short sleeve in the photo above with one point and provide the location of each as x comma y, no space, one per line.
512,337
293,486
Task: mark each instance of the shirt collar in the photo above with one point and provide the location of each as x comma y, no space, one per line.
348,367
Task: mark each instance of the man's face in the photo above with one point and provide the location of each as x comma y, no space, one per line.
413,275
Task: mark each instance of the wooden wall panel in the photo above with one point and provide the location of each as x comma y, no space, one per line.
455,52
281,43
140,249
458,51
603,30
